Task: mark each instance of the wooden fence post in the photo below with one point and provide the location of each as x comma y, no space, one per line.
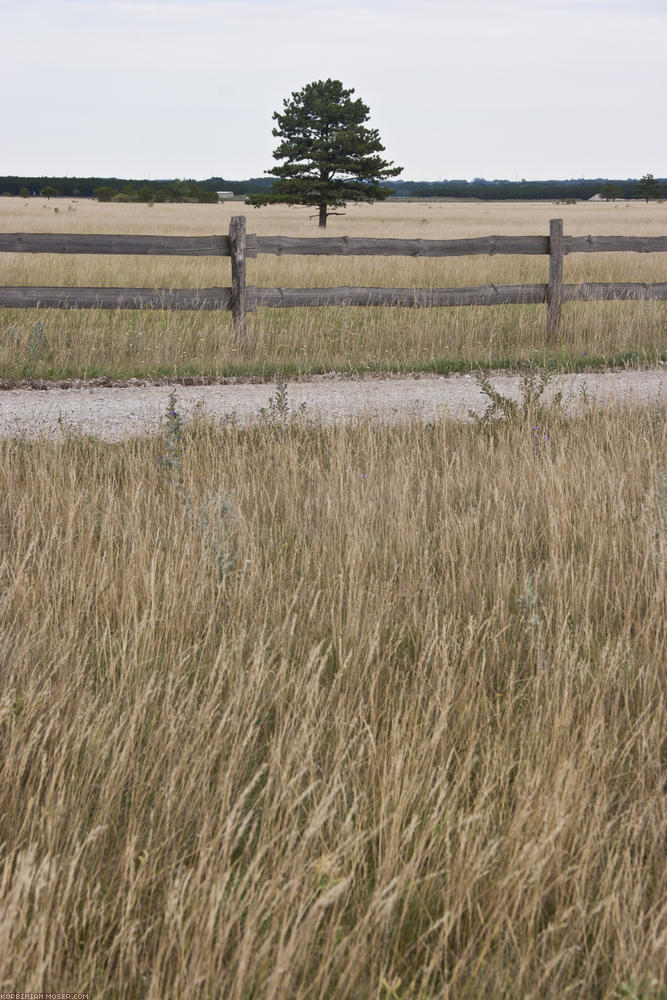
555,287
238,246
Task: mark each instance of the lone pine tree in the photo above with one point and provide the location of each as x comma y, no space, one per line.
648,187
330,156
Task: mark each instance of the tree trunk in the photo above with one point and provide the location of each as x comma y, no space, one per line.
323,216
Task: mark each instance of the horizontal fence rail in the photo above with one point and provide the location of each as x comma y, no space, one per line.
324,246
34,297
165,246
481,295
192,299
424,298
242,298
349,246
359,246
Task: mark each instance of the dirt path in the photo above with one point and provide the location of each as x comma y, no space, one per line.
114,413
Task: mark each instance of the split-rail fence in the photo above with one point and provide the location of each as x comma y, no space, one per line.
242,298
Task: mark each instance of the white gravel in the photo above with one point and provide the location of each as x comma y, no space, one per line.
115,413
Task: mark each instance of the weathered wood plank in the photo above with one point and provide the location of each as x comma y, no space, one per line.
484,295
591,291
218,246
347,246
237,242
607,244
33,297
555,288
104,243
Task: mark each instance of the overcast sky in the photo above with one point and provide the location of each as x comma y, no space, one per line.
457,88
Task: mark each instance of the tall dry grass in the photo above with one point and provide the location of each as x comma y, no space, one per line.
117,343
357,711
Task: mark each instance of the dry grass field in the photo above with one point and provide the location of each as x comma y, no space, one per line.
355,711
362,712
85,343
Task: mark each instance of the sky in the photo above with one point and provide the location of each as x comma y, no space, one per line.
531,89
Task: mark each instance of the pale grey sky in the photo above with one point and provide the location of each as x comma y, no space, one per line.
457,88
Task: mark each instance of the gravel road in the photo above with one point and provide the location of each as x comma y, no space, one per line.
112,413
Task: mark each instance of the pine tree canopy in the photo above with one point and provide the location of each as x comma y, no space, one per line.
648,187
330,156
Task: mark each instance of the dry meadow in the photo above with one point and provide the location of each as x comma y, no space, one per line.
85,343
358,711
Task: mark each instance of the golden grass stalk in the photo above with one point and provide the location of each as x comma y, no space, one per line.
295,711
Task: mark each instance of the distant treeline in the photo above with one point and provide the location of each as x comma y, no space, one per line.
110,189
504,190
119,189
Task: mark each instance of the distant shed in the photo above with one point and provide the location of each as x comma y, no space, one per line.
224,195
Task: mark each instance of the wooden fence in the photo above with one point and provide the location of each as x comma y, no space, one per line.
242,298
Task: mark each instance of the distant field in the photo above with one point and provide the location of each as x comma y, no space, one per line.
305,340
